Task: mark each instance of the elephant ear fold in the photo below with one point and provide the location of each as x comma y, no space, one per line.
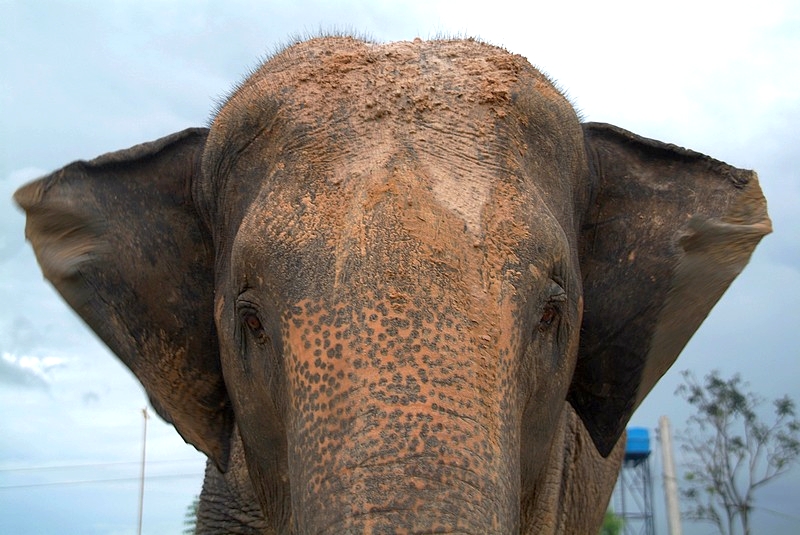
120,239
666,232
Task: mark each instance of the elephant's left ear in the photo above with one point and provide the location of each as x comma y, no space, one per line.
666,232
120,239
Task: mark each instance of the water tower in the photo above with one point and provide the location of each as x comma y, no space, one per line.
633,496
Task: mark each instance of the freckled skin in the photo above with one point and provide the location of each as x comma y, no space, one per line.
386,395
397,288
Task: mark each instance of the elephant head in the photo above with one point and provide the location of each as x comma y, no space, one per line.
399,287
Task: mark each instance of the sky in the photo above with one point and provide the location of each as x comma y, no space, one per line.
81,78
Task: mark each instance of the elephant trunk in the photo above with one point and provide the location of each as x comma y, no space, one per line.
416,495
400,421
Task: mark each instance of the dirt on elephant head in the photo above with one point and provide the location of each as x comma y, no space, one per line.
370,120
390,189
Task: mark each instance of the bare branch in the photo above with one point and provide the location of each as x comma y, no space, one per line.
729,451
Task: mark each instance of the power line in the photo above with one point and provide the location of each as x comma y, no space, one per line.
88,465
92,481
778,513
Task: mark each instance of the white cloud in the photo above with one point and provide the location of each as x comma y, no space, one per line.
37,366
14,373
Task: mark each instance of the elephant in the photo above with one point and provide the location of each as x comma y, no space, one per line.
397,287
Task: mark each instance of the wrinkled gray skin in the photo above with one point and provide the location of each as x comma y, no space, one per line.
398,288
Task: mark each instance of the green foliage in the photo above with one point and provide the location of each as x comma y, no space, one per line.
612,524
190,518
730,452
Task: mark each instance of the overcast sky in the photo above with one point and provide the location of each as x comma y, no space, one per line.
81,78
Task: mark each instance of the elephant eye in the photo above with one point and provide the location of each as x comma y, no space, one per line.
253,323
549,315
251,320
551,312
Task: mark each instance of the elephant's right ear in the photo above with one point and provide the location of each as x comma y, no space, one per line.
120,239
666,232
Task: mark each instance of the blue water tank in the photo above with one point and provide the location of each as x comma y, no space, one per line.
638,444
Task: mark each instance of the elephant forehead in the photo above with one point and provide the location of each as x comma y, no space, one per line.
395,231
398,160
464,115
330,97
392,79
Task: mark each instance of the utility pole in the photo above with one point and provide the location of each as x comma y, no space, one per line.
141,477
670,482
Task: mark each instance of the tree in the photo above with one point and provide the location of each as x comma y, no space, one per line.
612,524
730,452
190,518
